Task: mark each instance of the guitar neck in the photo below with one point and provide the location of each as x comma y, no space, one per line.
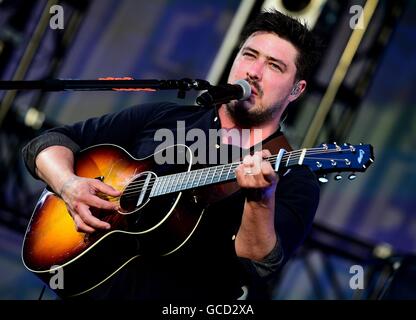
216,174
322,159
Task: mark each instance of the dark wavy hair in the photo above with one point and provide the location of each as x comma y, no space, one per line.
308,45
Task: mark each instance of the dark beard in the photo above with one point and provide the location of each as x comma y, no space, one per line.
246,119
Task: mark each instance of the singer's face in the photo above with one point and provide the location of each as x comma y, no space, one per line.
267,62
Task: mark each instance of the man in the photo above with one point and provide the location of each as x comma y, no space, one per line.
242,240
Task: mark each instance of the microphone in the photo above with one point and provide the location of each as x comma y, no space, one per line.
241,90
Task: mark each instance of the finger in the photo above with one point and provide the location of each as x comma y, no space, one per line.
268,173
265,153
90,220
99,203
248,170
239,171
81,226
240,175
105,188
245,180
257,160
248,160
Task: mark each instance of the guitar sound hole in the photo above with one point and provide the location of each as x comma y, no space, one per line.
137,192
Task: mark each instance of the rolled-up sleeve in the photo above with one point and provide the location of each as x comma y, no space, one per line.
116,128
268,265
271,263
297,198
32,149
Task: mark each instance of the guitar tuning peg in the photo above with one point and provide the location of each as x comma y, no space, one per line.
338,177
323,179
352,176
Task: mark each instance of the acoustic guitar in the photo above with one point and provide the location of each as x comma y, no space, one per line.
161,206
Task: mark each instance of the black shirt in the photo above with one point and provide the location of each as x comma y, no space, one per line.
207,266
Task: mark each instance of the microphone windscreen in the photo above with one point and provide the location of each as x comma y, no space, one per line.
246,89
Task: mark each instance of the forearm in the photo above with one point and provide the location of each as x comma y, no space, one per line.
55,165
256,236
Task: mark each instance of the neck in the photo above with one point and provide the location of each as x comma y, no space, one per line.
258,133
217,174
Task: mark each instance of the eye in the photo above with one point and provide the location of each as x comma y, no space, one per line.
276,67
249,55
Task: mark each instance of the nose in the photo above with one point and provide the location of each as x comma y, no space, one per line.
255,71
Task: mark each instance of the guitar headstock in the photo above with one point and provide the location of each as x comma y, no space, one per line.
334,158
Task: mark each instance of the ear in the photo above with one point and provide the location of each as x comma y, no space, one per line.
297,90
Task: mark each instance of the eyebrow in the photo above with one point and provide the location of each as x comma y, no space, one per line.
284,65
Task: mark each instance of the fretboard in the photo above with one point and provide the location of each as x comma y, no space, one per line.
215,174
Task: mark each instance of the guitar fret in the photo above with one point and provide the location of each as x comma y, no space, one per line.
179,176
213,175
160,187
200,176
187,180
176,180
195,184
180,180
192,178
212,178
175,184
172,184
183,174
198,172
228,173
233,166
206,176
166,185
201,183
222,169
219,173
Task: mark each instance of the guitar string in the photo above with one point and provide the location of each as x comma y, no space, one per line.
139,185
132,192
170,179
221,168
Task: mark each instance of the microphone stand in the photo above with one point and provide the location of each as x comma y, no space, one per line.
182,85
114,84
